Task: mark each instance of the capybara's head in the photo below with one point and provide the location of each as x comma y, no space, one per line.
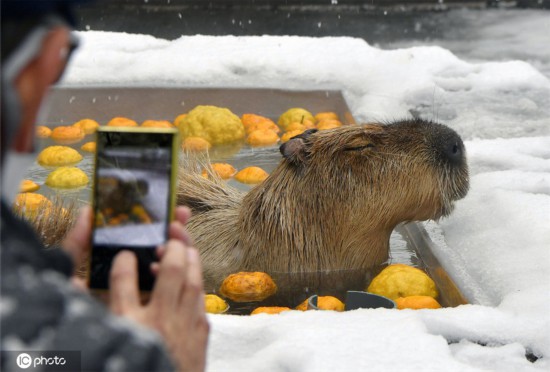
120,195
407,170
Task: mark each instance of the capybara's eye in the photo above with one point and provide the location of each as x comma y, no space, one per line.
360,148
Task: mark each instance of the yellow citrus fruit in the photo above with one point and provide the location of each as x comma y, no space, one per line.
217,125
43,131
55,156
196,144
253,119
28,186
262,137
263,125
251,175
30,204
67,178
295,114
295,126
328,124
417,302
288,135
269,310
89,147
89,126
67,134
401,280
179,119
214,304
326,115
224,170
157,124
324,303
121,122
330,303
248,286
302,306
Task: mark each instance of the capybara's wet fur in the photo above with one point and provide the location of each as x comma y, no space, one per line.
53,222
332,202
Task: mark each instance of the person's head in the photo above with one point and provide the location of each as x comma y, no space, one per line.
36,43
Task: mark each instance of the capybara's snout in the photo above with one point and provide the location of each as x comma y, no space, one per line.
452,150
446,145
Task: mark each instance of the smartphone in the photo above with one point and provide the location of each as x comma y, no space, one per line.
133,198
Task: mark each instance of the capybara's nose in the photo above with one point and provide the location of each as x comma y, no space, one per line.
452,148
454,151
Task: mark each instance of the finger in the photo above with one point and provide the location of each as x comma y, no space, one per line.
182,214
179,232
170,278
192,299
123,283
79,283
155,267
161,249
77,241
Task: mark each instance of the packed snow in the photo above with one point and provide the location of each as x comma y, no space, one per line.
496,244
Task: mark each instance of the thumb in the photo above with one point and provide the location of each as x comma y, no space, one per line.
123,283
77,241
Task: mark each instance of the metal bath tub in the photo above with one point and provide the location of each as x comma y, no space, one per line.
68,105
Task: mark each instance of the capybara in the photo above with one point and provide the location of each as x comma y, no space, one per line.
332,202
119,195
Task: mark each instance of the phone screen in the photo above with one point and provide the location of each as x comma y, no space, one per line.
133,199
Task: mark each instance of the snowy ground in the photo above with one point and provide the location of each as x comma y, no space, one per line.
495,245
487,35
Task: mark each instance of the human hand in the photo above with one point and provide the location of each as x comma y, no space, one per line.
77,245
176,307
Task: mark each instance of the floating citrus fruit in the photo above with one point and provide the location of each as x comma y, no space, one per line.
43,131
295,114
401,280
217,125
214,304
417,302
88,126
121,122
251,175
55,156
67,178
28,186
248,286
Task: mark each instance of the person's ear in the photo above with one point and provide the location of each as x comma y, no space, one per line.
35,79
55,51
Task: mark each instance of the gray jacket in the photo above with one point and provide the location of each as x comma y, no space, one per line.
41,311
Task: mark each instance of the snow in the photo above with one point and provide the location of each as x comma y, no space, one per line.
496,244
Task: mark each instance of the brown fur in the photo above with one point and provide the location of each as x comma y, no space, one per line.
331,204
54,222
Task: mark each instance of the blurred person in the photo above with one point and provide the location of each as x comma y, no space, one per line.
42,309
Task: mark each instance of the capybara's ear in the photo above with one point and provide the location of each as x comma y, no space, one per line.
295,149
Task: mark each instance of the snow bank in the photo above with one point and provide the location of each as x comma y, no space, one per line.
495,245
478,100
